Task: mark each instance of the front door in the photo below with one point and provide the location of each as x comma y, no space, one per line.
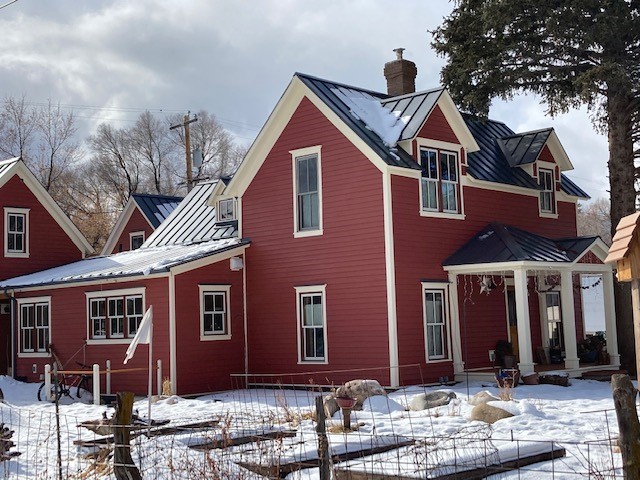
513,320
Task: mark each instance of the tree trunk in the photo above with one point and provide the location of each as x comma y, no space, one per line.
123,466
623,202
624,399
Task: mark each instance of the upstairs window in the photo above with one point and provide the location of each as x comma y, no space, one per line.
307,192
114,315
136,239
16,221
440,181
547,191
226,209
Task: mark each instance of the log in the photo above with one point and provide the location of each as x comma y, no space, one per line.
123,466
624,399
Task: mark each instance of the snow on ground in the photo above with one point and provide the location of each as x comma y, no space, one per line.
578,418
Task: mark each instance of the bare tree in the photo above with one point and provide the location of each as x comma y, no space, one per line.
18,123
594,219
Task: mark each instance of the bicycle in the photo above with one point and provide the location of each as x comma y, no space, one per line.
66,382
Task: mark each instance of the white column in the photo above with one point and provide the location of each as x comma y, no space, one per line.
524,324
610,319
568,319
458,362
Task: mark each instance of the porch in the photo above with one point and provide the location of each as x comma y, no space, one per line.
487,374
529,269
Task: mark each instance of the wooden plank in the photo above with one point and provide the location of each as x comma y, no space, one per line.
281,471
474,474
179,428
233,442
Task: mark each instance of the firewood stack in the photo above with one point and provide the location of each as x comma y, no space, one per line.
6,444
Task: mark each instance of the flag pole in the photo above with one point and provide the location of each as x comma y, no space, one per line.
150,376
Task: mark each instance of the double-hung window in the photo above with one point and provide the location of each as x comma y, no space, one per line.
307,192
312,325
440,181
226,209
214,312
16,222
114,315
35,324
547,191
436,321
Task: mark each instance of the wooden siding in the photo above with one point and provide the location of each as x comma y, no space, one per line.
206,366
49,244
546,155
436,127
348,258
69,320
137,223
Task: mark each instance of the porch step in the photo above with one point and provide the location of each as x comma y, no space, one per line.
602,375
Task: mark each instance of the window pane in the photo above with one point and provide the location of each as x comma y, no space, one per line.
218,303
449,194
312,169
303,176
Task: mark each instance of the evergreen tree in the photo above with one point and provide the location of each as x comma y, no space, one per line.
570,52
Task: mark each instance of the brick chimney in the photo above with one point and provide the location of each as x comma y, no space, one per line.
400,75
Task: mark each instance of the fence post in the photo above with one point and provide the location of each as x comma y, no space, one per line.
624,399
123,466
108,379
323,442
159,377
96,384
47,382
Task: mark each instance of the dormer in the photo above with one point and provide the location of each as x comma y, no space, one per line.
226,205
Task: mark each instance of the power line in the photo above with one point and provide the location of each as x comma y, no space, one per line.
7,4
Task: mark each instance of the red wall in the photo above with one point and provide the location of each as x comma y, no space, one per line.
137,223
69,320
348,258
49,245
206,366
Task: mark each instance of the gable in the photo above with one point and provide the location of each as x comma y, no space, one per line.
546,155
436,127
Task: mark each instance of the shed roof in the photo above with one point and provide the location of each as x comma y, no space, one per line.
156,208
498,243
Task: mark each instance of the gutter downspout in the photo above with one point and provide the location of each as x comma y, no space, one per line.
13,300
172,333
244,308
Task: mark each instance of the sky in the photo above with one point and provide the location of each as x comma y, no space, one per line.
109,61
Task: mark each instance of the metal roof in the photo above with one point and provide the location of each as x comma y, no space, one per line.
338,97
524,148
192,221
490,163
156,208
143,261
498,243
5,165
413,109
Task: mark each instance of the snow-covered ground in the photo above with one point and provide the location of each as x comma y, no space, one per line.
579,418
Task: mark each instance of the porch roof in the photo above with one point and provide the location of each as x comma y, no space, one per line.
498,243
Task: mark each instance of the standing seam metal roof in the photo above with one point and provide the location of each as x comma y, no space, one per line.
156,208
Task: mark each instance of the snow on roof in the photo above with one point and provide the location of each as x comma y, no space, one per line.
136,262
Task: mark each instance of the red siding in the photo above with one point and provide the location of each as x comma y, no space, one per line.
348,258
49,245
137,223
437,128
69,320
205,366
546,156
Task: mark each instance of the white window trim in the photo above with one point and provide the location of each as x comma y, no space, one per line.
295,154
551,167
226,289
444,287
121,292
233,209
321,289
19,211
451,148
136,234
34,300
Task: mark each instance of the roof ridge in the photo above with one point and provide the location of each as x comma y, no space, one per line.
521,134
154,195
413,94
505,235
340,84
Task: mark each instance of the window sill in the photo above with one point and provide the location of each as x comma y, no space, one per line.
451,216
210,338
313,362
16,255
547,215
439,360
109,341
308,233
34,355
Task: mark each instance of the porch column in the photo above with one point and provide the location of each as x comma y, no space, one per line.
456,344
568,319
524,325
610,319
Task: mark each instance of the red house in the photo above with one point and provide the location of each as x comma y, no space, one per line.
392,237
36,235
138,220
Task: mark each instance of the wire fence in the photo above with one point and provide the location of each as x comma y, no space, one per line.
257,433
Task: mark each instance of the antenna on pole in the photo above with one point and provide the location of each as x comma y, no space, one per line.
186,120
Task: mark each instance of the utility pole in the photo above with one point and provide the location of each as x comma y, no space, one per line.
186,120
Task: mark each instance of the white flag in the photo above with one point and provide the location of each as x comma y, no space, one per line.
143,335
